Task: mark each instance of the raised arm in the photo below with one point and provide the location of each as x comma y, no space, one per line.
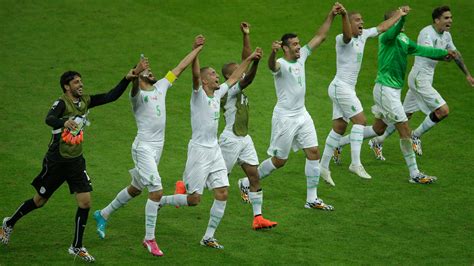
196,66
250,75
460,62
237,74
246,49
385,25
142,65
272,63
346,26
323,30
393,31
197,47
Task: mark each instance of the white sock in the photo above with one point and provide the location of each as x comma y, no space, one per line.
256,198
174,200
357,136
151,212
265,168
425,126
368,133
332,141
121,199
409,155
388,131
217,212
311,170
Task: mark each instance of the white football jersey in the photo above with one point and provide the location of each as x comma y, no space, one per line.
349,55
429,37
290,84
150,111
230,108
205,115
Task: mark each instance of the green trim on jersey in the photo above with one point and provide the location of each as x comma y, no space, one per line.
72,110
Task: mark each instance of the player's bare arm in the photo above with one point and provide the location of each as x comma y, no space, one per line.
272,63
197,47
323,30
250,75
393,32
246,49
237,74
385,25
142,65
346,26
460,62
196,67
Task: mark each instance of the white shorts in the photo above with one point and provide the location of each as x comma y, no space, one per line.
421,95
288,132
345,103
205,167
237,149
146,156
388,105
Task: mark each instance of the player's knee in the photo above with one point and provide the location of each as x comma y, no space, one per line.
359,119
133,191
39,201
155,195
221,193
278,163
194,199
312,153
442,112
85,204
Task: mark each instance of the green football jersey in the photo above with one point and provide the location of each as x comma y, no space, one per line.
394,46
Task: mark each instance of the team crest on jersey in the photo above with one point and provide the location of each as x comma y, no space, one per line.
212,104
55,104
295,70
403,39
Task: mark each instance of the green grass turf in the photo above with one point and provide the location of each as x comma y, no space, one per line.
383,221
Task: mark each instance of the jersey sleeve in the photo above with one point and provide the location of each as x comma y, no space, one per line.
392,33
340,41
370,33
164,83
278,73
450,45
234,90
305,51
424,39
223,89
425,51
53,118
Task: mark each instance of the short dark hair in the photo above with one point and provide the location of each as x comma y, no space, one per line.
286,37
66,77
226,69
203,69
438,12
352,13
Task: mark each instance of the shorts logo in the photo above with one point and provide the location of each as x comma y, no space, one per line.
42,190
353,108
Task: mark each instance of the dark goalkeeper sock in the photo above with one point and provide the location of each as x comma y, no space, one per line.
81,221
23,210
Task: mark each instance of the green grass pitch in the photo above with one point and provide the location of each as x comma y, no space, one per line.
383,221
